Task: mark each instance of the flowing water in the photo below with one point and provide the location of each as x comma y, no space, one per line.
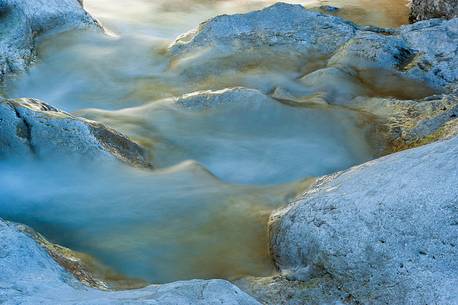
204,218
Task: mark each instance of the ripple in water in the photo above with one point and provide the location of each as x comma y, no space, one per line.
184,220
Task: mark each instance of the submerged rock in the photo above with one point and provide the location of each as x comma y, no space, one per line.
427,9
30,276
32,129
23,20
384,231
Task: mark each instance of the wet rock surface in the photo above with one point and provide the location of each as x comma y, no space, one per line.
380,233
427,9
33,129
424,52
22,21
30,276
383,231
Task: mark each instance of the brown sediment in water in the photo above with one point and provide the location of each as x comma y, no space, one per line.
84,267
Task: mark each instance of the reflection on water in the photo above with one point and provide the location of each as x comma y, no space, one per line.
180,223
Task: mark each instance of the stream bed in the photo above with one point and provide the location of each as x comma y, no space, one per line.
220,171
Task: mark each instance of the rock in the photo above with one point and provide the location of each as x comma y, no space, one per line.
30,276
435,43
423,52
23,20
333,85
282,31
329,8
428,9
412,123
386,231
30,128
281,290
287,37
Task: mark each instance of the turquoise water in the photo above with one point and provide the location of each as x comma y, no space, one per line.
221,171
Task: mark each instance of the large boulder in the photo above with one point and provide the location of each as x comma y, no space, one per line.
280,35
30,276
287,37
386,231
32,129
427,9
415,62
23,20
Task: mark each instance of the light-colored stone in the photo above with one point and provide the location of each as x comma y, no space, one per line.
31,129
385,231
23,20
279,289
30,276
289,37
280,35
424,52
427,9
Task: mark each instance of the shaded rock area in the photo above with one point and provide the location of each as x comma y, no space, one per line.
428,9
412,123
30,276
384,231
32,129
282,290
23,20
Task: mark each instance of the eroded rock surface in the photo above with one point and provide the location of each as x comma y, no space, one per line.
23,20
289,35
30,276
279,289
32,129
428,9
411,123
280,35
385,231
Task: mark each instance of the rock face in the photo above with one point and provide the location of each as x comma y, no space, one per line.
385,231
289,35
281,31
30,276
23,20
428,9
32,129
281,290
411,123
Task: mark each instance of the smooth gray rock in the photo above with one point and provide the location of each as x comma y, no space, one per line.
23,20
289,37
30,276
427,9
424,52
282,31
385,231
31,129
